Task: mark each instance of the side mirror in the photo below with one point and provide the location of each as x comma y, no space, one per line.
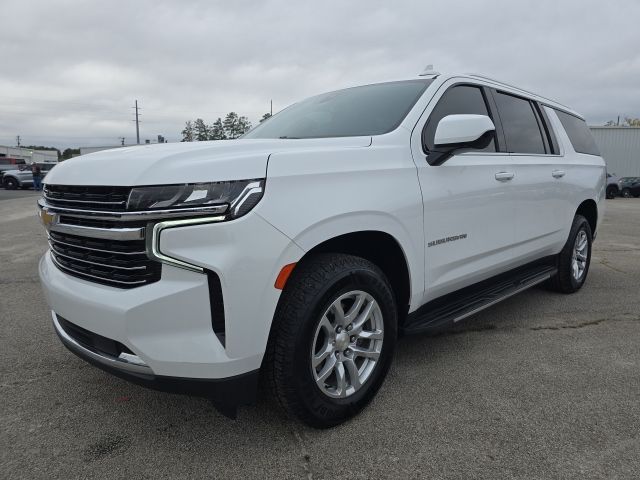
456,132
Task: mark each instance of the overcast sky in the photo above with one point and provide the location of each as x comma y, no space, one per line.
70,70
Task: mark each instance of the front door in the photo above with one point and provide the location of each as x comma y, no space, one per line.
469,207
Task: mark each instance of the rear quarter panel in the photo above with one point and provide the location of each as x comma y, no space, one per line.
585,177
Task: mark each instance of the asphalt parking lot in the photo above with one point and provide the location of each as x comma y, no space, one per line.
13,194
540,386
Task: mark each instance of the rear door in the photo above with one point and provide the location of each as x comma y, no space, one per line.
468,200
539,176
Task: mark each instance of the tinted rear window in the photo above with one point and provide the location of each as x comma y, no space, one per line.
578,133
521,130
352,112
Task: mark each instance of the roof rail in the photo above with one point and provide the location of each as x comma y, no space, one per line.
484,77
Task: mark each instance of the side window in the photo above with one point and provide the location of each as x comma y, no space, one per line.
579,133
552,141
461,99
521,129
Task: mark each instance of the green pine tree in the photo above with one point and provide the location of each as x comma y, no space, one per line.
187,133
201,130
216,132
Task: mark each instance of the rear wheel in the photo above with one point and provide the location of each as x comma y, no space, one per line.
626,193
574,259
10,183
333,339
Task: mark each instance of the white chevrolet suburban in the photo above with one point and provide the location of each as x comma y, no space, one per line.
298,253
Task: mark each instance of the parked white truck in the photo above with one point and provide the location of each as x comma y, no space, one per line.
300,252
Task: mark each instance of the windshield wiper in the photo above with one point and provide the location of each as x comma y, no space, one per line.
289,138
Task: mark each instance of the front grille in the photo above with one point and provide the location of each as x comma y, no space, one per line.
122,264
87,197
91,239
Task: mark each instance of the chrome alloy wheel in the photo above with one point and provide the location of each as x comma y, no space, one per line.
580,255
347,344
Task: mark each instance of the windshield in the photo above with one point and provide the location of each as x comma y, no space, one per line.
352,112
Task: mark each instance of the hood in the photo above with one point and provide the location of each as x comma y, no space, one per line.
188,162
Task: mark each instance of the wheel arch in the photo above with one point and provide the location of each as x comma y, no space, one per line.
589,210
380,248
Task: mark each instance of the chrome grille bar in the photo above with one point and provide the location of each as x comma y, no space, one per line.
83,201
82,247
78,259
102,233
102,279
211,210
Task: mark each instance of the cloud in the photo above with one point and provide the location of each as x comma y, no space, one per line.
72,69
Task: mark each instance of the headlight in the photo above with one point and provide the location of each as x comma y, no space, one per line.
236,197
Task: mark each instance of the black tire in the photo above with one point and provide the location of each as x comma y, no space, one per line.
10,183
626,193
564,281
612,191
312,288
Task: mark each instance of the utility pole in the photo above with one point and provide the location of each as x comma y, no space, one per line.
271,109
18,140
137,120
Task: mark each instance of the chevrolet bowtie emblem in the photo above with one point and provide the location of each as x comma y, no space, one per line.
47,219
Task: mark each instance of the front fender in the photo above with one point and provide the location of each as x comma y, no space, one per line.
368,221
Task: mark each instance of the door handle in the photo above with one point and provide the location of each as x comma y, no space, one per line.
504,176
558,173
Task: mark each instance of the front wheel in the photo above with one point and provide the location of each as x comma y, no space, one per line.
626,193
333,339
612,191
574,259
10,183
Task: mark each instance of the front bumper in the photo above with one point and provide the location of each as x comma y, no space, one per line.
167,324
225,393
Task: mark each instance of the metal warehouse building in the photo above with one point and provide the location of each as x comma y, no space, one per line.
620,148
29,155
